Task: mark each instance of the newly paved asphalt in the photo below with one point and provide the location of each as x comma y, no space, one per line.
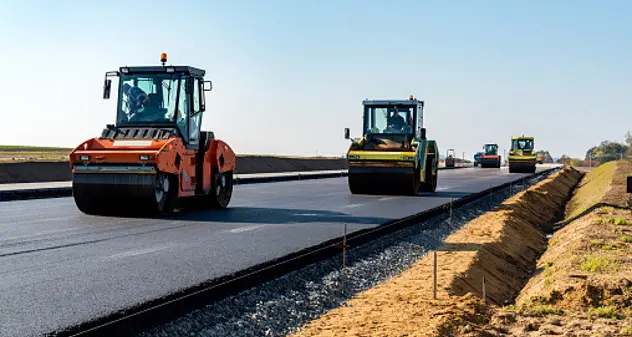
60,267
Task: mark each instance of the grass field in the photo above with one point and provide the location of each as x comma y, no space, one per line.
25,148
16,153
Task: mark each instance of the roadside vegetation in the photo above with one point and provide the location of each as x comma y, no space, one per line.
605,152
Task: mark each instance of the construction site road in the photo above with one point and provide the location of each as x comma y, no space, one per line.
61,267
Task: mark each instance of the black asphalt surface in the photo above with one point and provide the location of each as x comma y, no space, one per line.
60,267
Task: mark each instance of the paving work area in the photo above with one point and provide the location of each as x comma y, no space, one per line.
69,258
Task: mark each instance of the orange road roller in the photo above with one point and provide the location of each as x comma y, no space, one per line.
156,157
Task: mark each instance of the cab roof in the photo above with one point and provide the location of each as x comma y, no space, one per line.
412,102
187,70
521,137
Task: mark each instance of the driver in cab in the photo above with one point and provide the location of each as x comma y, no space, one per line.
396,121
136,99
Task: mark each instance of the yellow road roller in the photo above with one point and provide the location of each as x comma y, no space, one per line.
522,158
393,155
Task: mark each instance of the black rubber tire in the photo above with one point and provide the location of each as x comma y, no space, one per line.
220,198
167,203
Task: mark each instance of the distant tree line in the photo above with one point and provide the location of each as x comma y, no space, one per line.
605,152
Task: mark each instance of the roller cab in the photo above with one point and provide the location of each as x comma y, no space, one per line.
155,157
490,157
522,158
393,154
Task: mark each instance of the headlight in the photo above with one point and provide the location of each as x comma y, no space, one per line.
84,157
144,157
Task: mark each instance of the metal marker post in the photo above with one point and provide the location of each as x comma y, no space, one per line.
434,291
344,249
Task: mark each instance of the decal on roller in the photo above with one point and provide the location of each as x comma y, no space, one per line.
132,142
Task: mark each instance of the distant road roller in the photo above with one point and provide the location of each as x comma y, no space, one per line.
450,158
522,157
393,154
490,157
156,156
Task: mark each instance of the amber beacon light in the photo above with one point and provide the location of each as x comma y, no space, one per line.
163,58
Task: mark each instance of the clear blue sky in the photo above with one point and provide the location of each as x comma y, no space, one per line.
289,76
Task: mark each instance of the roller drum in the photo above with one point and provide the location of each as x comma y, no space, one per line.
383,180
123,193
522,167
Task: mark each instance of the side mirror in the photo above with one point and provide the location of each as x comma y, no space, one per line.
107,86
423,133
629,184
347,133
208,86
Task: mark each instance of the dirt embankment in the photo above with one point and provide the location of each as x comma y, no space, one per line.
583,282
502,245
44,171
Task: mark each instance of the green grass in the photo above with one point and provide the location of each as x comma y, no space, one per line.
626,331
542,310
626,238
609,311
595,264
621,221
27,148
548,272
591,189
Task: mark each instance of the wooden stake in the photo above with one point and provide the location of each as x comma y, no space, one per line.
434,294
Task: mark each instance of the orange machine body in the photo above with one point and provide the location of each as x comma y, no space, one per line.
162,155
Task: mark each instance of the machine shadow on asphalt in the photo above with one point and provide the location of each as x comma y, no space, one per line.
262,215
446,194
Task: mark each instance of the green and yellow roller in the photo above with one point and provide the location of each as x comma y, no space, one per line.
522,158
393,154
